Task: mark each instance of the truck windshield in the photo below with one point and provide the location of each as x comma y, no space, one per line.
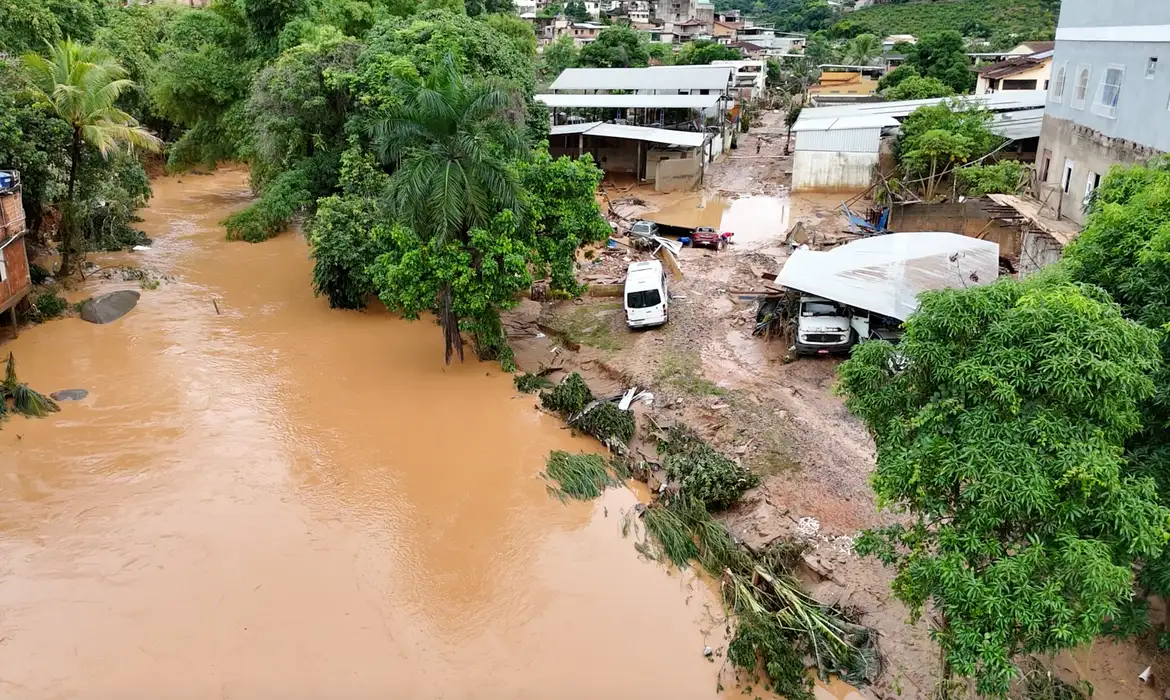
820,308
644,299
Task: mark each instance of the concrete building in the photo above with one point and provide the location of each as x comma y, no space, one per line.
1109,99
1031,72
672,160
750,79
845,84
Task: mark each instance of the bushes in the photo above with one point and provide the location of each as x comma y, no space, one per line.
582,477
48,306
1002,178
287,196
569,397
703,473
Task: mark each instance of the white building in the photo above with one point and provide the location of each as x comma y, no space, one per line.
750,78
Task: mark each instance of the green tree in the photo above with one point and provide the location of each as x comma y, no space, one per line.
965,136
895,77
449,143
943,56
553,9
1008,177
703,52
934,153
82,84
616,47
918,88
575,10
558,56
563,213
663,53
791,116
519,31
999,423
862,50
820,51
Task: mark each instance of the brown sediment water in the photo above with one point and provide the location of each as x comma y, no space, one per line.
753,220
282,500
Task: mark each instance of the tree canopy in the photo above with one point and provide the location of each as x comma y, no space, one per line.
616,46
1000,421
943,56
704,52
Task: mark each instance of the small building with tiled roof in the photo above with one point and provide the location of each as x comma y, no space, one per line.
1028,72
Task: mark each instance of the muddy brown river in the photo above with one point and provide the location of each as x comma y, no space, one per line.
285,501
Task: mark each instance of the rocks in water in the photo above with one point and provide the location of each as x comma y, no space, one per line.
69,395
109,307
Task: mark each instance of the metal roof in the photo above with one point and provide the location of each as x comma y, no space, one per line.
877,121
624,101
999,102
690,139
1015,126
653,78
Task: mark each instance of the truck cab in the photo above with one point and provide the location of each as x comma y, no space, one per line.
823,327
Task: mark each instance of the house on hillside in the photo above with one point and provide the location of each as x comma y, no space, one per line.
15,282
1109,98
1027,72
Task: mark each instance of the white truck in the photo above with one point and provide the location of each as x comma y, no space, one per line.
864,290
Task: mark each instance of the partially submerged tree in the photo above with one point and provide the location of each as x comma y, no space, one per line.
81,84
999,422
449,144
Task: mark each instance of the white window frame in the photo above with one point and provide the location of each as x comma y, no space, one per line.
1057,94
1087,71
1099,107
1151,67
1091,184
1066,175
3,267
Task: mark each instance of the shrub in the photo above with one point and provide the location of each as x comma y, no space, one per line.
569,397
37,273
609,424
49,305
1002,178
530,383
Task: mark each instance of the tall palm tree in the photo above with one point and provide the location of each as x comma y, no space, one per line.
862,49
450,143
82,84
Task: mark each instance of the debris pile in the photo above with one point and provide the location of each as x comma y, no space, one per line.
702,472
614,427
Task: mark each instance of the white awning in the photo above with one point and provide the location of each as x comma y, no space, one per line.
653,78
690,139
885,274
631,101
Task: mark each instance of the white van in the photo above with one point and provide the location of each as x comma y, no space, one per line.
646,296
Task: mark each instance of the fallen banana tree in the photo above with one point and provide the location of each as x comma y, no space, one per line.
16,397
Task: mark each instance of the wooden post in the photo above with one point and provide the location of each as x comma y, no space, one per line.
15,327
638,165
580,142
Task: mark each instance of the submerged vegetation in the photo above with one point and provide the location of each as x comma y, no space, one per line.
16,397
582,477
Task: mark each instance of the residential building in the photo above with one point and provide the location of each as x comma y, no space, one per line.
1027,72
15,281
852,83
585,32
726,32
750,79
894,39
1030,47
1109,98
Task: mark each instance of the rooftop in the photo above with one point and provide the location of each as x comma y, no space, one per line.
1012,66
1020,125
1014,100
692,139
653,78
627,101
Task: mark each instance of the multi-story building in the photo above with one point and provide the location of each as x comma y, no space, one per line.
1108,100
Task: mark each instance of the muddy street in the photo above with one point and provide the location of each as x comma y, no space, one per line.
280,500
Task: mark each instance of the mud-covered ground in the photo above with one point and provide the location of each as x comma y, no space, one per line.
782,419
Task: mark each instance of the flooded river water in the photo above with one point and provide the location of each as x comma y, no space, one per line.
281,500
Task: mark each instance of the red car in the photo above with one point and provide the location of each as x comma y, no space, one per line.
706,236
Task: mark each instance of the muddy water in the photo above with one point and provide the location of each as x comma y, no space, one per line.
754,220
281,500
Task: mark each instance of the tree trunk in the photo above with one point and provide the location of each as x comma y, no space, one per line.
68,217
788,140
453,341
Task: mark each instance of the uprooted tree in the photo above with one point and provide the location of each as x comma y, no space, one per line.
1000,422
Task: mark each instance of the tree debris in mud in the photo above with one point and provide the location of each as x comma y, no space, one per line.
701,471
530,383
582,477
778,627
569,397
24,400
601,418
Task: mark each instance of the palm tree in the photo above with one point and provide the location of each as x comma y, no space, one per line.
449,143
82,84
862,50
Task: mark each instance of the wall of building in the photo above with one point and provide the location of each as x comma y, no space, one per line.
1042,74
829,171
1038,250
1089,152
676,175
967,218
17,283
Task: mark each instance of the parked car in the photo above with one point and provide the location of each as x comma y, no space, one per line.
706,236
643,229
646,298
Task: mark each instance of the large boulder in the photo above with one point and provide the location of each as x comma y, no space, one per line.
109,307
69,395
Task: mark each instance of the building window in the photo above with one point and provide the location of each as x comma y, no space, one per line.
1151,67
3,267
1109,92
1019,85
1091,185
1058,85
1081,88
1066,179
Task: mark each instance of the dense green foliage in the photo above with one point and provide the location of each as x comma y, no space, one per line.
582,477
616,46
1124,250
915,87
705,475
703,52
942,56
1000,421
1006,177
938,138
1003,22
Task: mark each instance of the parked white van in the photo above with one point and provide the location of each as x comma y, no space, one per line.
646,296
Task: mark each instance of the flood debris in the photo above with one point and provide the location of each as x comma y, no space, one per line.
701,471
599,417
531,383
582,476
16,397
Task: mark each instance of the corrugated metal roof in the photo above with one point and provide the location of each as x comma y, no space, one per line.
623,101
999,102
1025,124
653,78
876,121
843,141
690,139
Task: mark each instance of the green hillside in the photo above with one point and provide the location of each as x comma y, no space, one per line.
1027,19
